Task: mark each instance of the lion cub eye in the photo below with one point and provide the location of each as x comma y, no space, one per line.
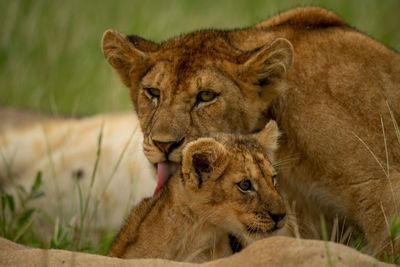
274,180
152,92
245,186
205,96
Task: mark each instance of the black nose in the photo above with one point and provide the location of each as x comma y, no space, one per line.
276,217
167,147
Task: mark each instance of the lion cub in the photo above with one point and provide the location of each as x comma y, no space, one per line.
224,191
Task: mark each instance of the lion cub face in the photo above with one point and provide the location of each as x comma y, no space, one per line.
230,181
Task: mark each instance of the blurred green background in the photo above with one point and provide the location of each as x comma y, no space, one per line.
50,57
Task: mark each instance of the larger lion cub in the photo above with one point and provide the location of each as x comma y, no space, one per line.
225,188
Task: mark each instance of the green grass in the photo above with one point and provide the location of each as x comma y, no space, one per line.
50,57
17,217
21,221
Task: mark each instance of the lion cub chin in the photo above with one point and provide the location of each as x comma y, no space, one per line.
223,197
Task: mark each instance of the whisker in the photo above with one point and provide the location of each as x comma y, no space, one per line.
286,159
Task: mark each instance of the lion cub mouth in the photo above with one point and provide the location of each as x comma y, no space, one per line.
256,230
234,243
164,171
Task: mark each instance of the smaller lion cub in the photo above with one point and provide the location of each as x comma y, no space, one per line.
223,197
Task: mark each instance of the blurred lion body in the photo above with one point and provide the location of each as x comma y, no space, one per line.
65,151
330,88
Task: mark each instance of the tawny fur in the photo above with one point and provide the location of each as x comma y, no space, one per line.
329,87
192,216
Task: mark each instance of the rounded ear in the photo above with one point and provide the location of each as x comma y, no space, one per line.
268,137
203,160
266,66
127,54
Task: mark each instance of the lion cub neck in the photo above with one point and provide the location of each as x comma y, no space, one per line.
166,227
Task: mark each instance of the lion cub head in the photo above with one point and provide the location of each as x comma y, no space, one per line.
230,180
197,84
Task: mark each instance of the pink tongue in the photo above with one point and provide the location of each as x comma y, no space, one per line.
164,171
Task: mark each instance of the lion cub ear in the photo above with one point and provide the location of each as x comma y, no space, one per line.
266,65
127,54
268,138
202,160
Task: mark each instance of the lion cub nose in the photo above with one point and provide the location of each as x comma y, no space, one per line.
276,217
167,147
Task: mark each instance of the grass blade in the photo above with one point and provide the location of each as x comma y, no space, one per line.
38,182
395,125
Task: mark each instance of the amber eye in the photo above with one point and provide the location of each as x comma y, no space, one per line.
205,96
152,92
245,186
